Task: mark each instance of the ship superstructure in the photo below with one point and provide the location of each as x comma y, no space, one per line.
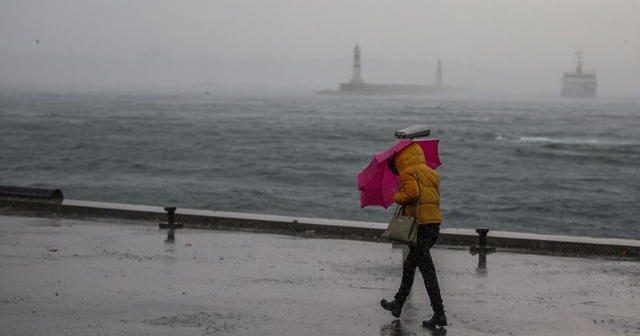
579,84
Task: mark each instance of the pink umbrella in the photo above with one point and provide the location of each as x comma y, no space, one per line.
377,184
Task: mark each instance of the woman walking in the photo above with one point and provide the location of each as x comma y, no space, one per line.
420,187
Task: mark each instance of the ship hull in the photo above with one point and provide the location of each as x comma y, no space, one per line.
579,87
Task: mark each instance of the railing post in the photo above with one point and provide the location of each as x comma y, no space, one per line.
171,224
482,250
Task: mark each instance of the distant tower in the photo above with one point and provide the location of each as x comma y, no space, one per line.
579,62
357,78
439,81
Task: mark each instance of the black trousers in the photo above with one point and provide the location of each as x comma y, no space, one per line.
420,257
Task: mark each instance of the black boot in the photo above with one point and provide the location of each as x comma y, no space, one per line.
395,307
437,320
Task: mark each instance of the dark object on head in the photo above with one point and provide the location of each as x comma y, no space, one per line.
415,131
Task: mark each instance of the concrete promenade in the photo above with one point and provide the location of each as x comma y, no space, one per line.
61,276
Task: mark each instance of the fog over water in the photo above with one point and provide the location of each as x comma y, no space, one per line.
497,46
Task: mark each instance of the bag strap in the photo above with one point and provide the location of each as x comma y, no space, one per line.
398,210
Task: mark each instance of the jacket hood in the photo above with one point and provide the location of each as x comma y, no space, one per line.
409,156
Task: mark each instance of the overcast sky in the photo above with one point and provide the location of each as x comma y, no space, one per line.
490,44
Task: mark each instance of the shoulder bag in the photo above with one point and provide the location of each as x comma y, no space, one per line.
404,229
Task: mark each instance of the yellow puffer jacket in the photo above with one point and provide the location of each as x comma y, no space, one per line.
409,162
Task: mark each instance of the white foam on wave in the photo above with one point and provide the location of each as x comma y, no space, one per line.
568,141
571,141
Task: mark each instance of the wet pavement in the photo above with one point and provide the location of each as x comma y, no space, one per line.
67,277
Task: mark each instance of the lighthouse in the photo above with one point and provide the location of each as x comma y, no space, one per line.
439,80
356,78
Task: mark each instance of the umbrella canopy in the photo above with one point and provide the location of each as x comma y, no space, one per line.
377,184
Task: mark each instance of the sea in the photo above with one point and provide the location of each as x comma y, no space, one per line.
521,164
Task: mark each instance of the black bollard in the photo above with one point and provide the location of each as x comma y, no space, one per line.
171,211
482,249
171,224
482,236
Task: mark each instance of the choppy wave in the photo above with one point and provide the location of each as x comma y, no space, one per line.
576,141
